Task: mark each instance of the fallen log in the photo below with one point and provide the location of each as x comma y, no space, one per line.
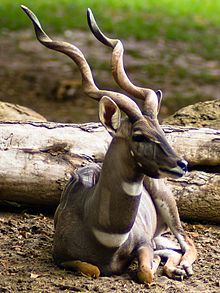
198,196
199,146
38,158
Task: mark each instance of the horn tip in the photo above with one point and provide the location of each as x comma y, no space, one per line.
29,13
23,7
89,11
90,18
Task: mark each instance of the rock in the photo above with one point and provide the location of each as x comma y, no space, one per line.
14,112
202,114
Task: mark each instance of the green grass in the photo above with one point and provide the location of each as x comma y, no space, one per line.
196,22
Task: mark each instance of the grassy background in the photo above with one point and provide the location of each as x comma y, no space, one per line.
196,22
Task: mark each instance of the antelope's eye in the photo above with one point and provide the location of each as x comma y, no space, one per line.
139,138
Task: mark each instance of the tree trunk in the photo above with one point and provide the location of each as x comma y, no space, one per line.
37,159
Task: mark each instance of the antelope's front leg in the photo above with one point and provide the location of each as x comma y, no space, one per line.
147,264
84,268
190,253
166,207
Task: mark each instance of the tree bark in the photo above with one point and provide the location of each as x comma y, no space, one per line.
199,146
37,159
198,196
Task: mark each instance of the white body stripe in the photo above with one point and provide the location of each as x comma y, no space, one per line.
132,189
110,239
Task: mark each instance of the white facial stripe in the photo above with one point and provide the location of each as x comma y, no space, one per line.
110,239
132,189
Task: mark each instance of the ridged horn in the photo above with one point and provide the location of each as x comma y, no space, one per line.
151,98
124,103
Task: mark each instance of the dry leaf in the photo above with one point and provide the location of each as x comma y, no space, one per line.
34,276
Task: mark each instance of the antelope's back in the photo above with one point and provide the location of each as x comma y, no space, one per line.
77,188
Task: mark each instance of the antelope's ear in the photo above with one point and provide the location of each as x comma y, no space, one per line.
109,114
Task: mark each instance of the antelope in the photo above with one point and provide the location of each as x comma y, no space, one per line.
110,214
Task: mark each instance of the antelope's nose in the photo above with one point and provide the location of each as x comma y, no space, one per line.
183,165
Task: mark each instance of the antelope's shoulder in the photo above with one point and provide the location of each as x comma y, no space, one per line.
88,176
84,177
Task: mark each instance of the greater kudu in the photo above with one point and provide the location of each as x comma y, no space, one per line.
107,216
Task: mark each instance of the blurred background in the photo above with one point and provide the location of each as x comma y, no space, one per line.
169,45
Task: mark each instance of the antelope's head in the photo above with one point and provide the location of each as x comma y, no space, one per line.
140,130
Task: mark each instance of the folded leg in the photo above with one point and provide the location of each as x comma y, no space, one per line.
145,258
171,253
84,268
167,210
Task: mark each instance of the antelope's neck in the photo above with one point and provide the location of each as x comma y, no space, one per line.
114,204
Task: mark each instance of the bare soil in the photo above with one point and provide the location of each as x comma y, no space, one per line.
34,76
26,263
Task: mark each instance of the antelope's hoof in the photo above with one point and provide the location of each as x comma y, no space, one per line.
187,267
84,268
175,273
88,269
189,257
145,276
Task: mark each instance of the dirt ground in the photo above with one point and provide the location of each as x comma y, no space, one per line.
34,76
26,263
